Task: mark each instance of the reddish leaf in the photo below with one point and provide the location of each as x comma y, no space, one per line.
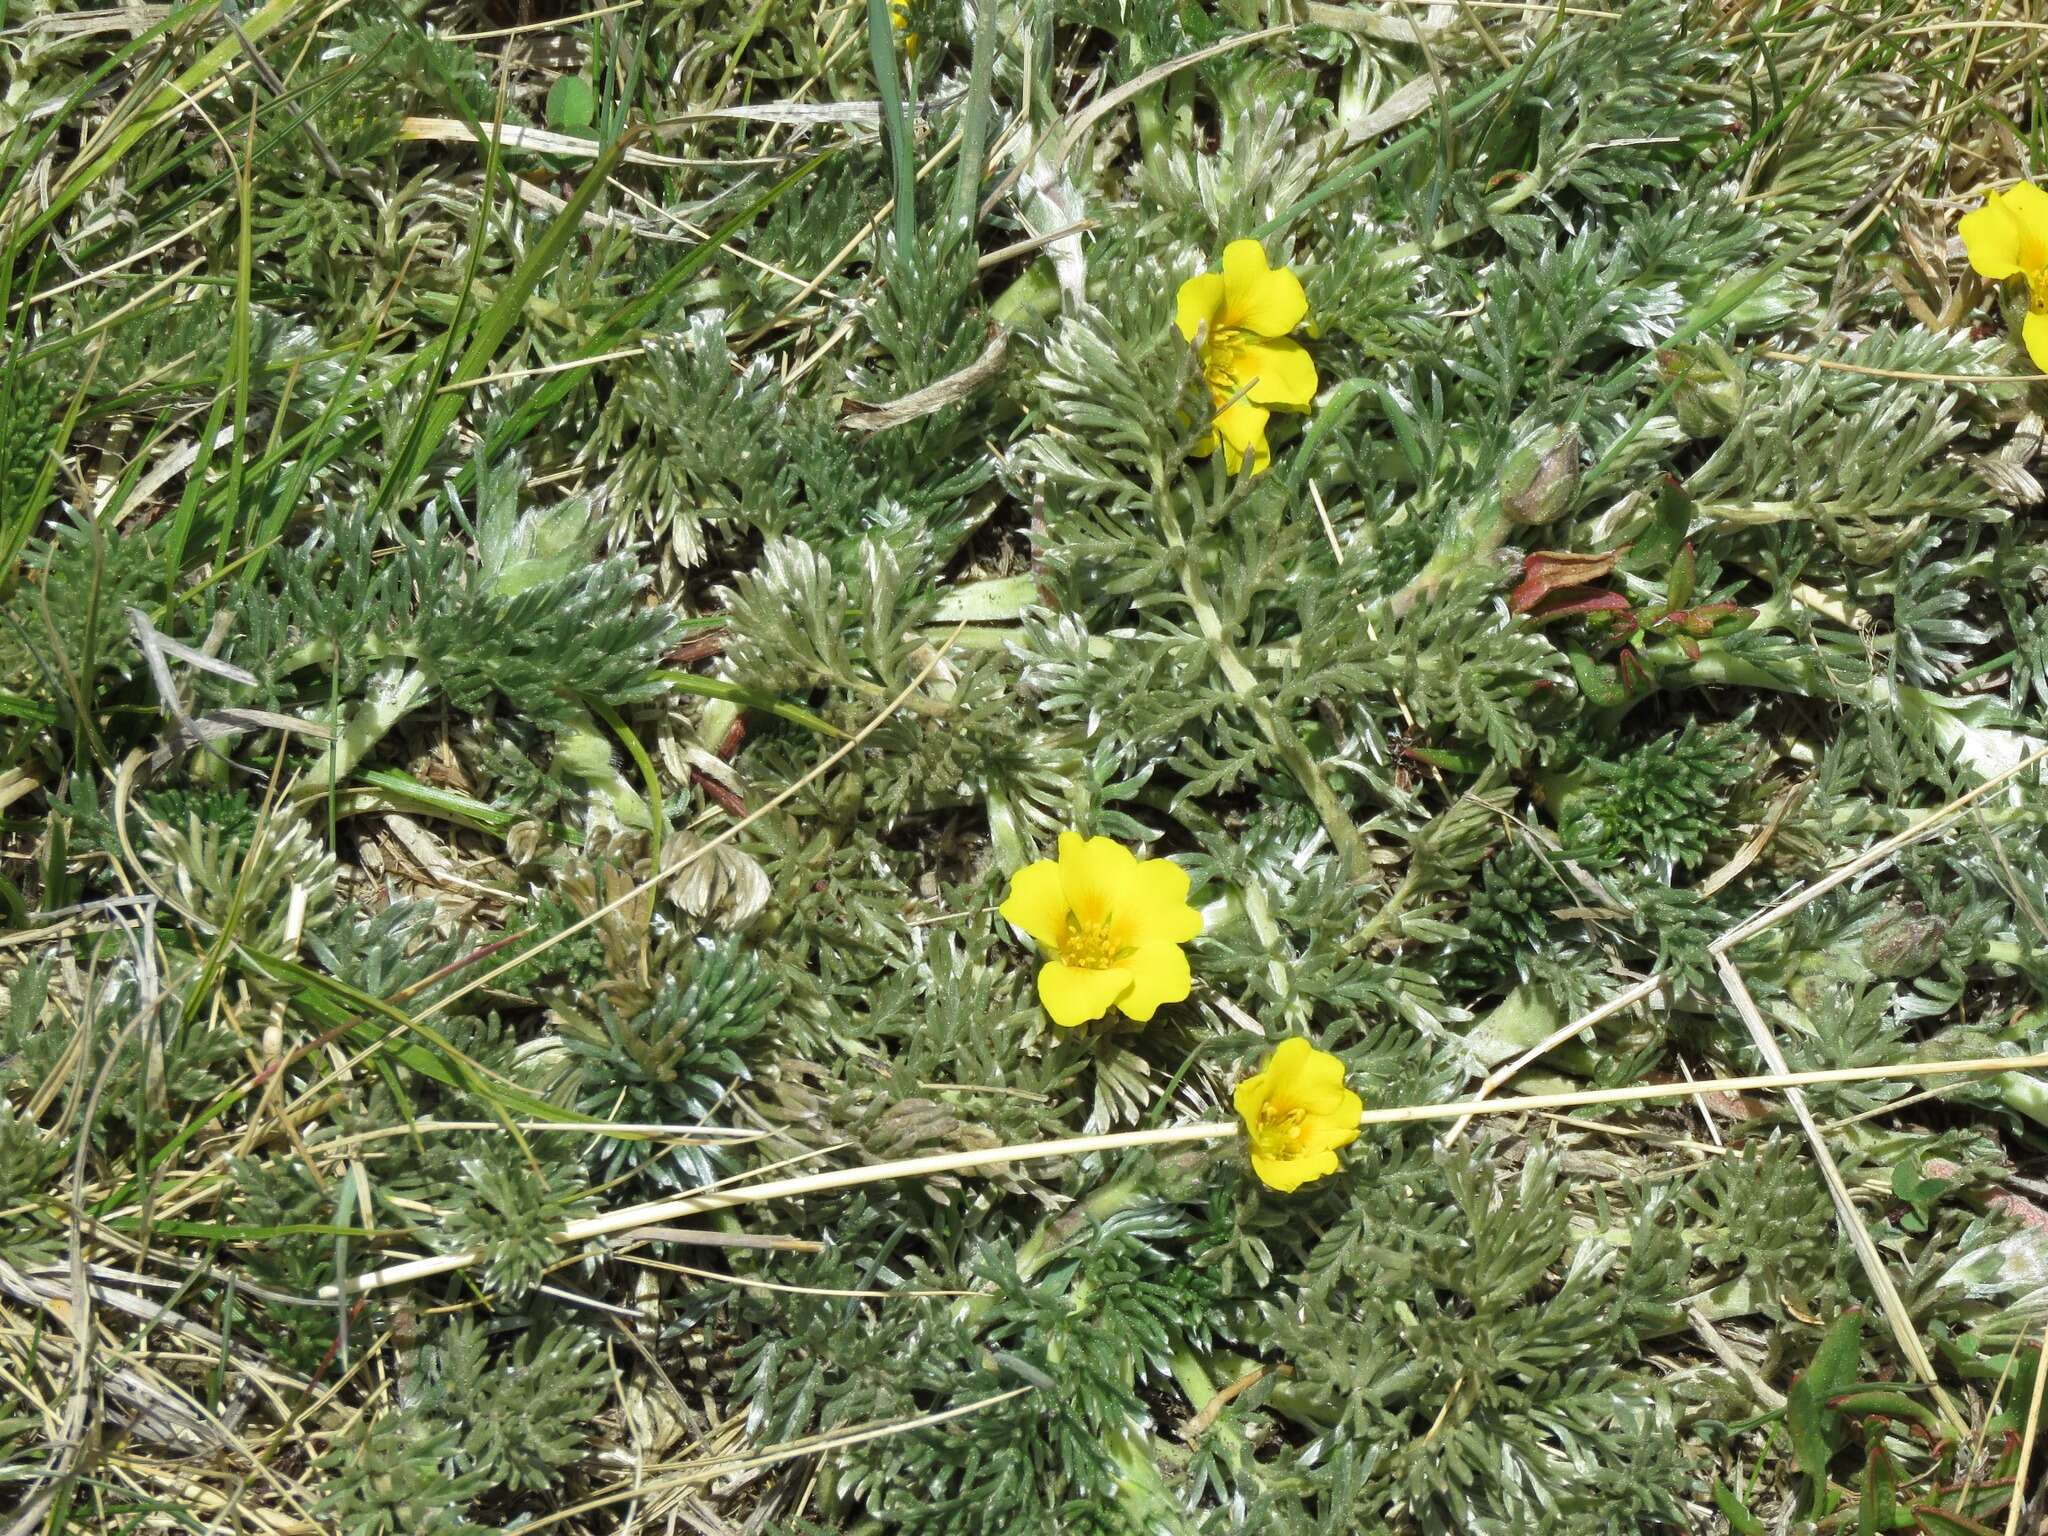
1547,571
1945,1522
1633,677
1580,600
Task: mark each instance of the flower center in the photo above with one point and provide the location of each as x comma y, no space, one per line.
1089,946
1220,363
1280,1131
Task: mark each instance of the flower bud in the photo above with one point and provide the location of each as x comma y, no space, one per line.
1903,942
1707,389
1541,477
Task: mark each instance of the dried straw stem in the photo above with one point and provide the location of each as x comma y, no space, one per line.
704,1201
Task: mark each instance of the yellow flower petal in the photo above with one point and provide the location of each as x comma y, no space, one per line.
1250,1096
1308,1072
1093,870
1287,1060
1154,906
1336,1126
1287,1174
2028,205
1073,996
1241,430
2034,332
1256,297
1159,974
1297,1113
1277,373
1199,300
1037,903
1991,236
899,18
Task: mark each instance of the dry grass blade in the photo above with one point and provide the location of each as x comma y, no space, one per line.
1869,859
1873,856
1078,125
935,396
1897,1317
693,1473
702,1202
2028,1435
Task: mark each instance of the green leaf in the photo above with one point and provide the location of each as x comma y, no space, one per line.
1735,1511
733,693
1878,1509
572,104
1684,575
1815,1426
445,802
985,602
895,123
335,1002
18,708
1656,545
517,423
496,323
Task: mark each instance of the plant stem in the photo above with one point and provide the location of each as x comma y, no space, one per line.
1280,735
394,693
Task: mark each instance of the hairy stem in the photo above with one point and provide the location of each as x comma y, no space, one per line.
1286,744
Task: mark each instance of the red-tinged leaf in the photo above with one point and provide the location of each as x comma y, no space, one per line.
1943,1522
1633,676
1548,570
1573,601
1690,646
1881,1402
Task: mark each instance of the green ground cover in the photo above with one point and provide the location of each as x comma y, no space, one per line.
563,567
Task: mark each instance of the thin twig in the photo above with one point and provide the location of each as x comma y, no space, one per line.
1871,857
1550,1042
1874,1271
699,1203
2019,1481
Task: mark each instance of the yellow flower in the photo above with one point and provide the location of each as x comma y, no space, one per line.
1111,929
1297,1113
1242,316
2009,235
899,18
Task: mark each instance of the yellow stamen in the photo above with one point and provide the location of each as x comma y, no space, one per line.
1281,1134
1089,946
